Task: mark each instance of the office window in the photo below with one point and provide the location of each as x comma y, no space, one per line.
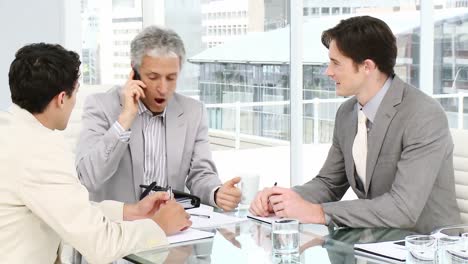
229,77
222,80
107,29
325,11
124,4
314,11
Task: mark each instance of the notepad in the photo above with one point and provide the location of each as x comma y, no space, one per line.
214,220
316,229
267,220
189,235
388,250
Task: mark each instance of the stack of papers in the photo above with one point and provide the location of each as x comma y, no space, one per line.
391,251
189,235
214,220
204,217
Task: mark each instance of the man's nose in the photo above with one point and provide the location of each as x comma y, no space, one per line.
163,87
328,71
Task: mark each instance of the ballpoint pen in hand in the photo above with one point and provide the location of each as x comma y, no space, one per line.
148,189
171,194
269,202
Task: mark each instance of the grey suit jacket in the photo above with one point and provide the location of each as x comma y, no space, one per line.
410,178
112,169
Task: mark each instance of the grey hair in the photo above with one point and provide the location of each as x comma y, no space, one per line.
155,41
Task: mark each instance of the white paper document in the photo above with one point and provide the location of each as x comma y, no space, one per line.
202,209
388,250
189,235
268,219
316,229
204,217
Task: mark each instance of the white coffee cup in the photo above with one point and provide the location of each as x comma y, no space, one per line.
248,186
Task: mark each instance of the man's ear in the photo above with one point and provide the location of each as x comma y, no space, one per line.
60,99
369,65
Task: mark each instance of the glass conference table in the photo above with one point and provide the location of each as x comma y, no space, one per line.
250,242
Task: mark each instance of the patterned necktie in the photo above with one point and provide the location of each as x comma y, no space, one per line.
360,147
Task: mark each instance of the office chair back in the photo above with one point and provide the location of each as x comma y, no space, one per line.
460,164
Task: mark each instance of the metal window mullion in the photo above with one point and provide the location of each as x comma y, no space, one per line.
426,48
296,91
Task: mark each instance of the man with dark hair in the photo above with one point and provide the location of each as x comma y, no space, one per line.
54,70
43,202
391,144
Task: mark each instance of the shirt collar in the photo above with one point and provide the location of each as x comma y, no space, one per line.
370,109
142,109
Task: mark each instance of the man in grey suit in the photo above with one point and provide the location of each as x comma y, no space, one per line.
398,159
144,132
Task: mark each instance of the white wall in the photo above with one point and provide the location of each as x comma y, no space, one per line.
28,21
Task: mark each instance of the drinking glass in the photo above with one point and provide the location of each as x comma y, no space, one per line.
421,248
451,249
285,236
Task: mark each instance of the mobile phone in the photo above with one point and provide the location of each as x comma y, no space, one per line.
136,75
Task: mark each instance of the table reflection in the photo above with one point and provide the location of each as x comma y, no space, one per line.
250,242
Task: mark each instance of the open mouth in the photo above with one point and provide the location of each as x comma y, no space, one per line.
159,100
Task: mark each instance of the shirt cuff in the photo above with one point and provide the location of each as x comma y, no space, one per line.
123,135
212,197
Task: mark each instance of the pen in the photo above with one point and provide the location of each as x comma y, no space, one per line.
147,190
274,185
171,194
199,215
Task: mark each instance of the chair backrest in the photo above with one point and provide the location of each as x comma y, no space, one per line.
74,124
460,164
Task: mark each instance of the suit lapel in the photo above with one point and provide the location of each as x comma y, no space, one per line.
383,118
176,126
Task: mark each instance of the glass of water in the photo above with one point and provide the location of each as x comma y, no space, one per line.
421,249
450,248
285,237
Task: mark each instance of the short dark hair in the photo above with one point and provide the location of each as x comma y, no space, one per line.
364,37
39,72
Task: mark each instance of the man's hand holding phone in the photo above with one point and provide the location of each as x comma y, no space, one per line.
131,93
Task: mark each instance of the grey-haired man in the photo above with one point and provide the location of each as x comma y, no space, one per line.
145,132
